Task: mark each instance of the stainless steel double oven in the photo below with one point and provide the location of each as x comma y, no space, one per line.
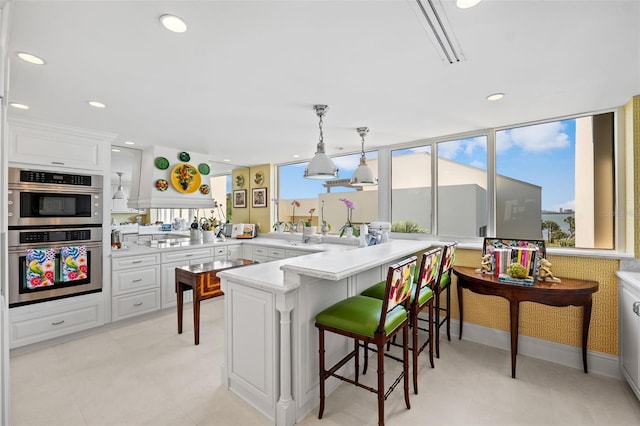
54,235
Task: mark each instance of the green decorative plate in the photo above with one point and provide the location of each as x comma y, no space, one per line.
162,163
204,168
184,156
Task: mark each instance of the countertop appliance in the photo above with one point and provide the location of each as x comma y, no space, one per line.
37,198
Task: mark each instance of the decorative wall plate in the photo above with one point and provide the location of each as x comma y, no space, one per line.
184,156
258,178
162,163
204,168
204,189
162,185
185,178
239,181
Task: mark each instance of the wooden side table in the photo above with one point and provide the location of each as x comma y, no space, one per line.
203,279
569,292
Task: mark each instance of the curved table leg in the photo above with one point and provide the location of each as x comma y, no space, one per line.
459,287
586,319
514,312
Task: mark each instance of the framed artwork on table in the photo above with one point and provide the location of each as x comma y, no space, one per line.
259,197
240,198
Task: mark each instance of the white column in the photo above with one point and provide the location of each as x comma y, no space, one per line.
286,408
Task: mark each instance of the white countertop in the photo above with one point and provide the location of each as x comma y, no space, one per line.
335,263
293,242
631,278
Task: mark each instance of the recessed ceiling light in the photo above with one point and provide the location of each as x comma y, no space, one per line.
495,97
32,59
115,150
466,4
19,106
173,23
129,143
97,104
296,156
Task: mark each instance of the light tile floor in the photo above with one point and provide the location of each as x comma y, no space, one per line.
144,373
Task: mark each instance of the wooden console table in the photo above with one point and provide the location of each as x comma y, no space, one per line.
569,292
203,279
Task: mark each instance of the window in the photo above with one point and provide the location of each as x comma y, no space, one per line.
556,180
311,193
462,187
553,180
411,190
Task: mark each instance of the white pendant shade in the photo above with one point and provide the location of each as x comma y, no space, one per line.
321,167
119,194
363,176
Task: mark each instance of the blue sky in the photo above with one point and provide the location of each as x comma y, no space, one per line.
541,154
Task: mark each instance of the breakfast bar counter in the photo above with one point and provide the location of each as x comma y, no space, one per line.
271,347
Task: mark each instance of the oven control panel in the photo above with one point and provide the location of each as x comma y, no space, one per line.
33,176
32,237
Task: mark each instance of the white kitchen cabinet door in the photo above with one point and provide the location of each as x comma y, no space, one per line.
56,146
630,335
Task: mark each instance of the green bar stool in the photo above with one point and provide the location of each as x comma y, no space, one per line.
370,320
422,296
448,258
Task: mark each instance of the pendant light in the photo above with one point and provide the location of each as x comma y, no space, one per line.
321,167
119,194
363,176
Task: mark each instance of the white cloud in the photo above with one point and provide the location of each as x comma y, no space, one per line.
536,138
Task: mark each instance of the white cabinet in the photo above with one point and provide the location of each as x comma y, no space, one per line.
170,261
135,285
42,321
235,251
629,305
260,254
56,146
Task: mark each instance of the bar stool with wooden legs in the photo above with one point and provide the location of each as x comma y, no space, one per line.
448,257
370,320
422,296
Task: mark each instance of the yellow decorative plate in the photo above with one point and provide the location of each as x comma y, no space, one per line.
185,178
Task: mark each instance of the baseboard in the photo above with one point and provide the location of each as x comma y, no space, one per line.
571,356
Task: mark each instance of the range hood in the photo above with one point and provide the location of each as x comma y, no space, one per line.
161,164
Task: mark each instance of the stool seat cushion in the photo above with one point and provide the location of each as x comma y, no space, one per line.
360,315
377,292
445,280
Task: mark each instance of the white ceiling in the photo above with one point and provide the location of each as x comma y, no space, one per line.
241,83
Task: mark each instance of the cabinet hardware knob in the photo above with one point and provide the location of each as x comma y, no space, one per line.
57,323
636,308
137,304
137,261
136,281
60,163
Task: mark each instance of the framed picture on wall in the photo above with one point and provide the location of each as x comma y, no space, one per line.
240,198
259,197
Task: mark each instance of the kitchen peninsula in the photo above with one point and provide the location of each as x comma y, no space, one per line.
271,347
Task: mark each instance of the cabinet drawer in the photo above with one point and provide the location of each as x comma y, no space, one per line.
276,253
186,256
295,253
36,328
220,252
136,279
260,251
260,259
135,261
235,252
135,304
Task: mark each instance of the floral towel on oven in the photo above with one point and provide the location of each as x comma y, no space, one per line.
73,261
40,267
